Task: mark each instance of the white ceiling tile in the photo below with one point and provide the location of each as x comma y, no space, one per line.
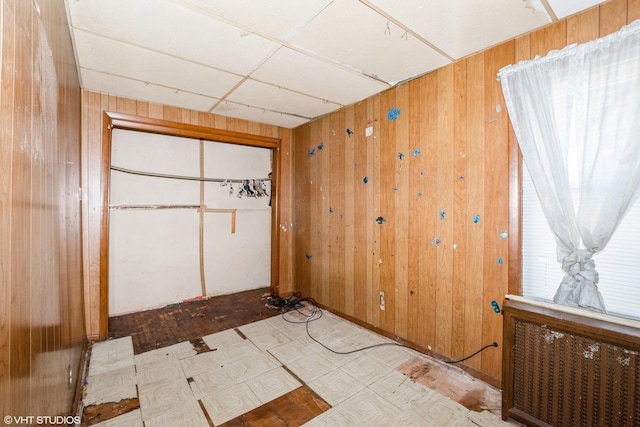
564,8
278,19
125,60
173,29
463,27
350,33
134,89
283,62
259,115
277,99
302,73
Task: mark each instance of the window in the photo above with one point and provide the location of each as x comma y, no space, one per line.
618,264
576,115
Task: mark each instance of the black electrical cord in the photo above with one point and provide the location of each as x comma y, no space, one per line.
295,303
495,344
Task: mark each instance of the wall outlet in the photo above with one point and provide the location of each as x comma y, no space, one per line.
381,300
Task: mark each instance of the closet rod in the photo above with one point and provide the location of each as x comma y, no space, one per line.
189,178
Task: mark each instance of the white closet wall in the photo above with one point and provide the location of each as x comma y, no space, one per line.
155,256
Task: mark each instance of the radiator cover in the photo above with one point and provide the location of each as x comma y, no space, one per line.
564,369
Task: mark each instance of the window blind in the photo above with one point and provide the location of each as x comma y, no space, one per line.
618,264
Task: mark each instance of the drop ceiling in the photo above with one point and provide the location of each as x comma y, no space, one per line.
284,62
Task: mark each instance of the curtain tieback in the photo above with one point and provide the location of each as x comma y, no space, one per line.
579,287
580,266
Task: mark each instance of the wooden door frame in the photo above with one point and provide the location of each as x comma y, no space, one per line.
113,120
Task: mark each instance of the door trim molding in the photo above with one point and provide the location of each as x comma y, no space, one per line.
112,120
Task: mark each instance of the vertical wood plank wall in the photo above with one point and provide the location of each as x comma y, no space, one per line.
42,333
93,106
367,208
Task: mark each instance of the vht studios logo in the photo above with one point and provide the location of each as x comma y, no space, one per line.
41,419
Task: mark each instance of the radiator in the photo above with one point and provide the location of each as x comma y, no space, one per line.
565,367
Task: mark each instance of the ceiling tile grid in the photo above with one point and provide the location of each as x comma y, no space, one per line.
284,62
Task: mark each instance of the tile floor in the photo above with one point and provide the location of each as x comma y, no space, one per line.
254,364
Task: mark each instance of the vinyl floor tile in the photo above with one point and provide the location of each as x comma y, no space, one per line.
366,369
230,353
230,403
333,418
222,339
157,397
402,391
270,339
272,384
311,367
257,328
247,368
198,364
370,409
266,371
187,414
159,372
291,351
336,386
111,386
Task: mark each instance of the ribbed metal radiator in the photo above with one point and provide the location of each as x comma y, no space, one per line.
564,369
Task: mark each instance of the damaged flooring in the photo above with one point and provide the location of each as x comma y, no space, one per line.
230,361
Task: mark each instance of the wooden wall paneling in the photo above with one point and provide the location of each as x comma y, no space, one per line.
285,228
111,102
613,15
335,212
633,10
171,113
445,170
127,106
551,37
497,204
452,115
387,210
322,214
349,221
583,27
374,198
522,52
314,254
361,212
92,156
402,196
301,219
7,38
156,111
428,164
415,208
39,276
39,232
275,220
21,205
474,178
461,219
142,109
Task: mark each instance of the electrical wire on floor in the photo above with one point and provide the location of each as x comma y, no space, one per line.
296,304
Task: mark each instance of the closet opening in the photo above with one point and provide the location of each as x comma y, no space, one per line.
178,220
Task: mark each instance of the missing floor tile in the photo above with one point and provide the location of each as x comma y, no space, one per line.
292,409
456,385
95,414
199,346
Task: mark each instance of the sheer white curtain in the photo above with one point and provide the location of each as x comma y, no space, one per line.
576,114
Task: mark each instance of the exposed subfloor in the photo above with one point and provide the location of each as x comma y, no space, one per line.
231,361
